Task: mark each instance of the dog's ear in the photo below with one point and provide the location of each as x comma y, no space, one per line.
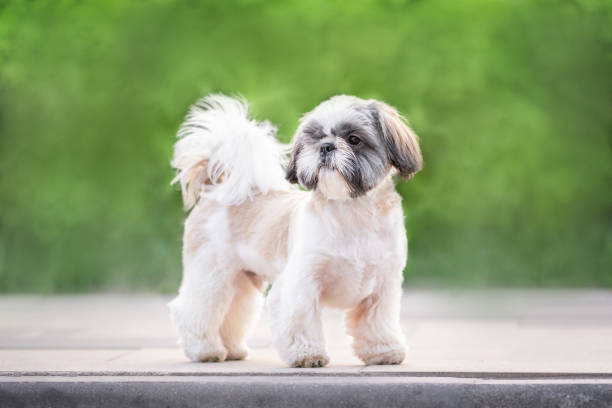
401,142
291,171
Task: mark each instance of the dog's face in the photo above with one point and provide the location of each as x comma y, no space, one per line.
347,145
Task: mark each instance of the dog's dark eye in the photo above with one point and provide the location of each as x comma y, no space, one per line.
354,140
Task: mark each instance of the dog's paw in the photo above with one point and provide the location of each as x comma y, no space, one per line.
204,352
305,356
382,354
236,352
311,361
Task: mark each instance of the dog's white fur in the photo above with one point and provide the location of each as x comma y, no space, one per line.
250,226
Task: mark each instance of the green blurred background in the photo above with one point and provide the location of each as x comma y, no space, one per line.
511,98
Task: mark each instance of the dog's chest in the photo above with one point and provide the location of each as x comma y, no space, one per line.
352,262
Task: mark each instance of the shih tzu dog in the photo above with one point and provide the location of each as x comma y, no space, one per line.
340,244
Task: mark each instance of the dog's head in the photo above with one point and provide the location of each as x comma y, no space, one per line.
346,146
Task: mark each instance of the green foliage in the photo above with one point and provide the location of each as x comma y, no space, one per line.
511,100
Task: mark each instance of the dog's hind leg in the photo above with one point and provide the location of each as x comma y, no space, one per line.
241,315
204,299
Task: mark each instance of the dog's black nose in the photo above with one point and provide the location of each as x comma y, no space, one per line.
327,147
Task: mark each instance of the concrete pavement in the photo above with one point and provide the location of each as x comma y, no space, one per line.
487,345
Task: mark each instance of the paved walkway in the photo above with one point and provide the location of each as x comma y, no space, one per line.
560,337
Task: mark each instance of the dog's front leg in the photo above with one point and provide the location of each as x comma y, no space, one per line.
295,315
375,324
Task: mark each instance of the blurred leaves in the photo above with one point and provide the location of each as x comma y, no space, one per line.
512,100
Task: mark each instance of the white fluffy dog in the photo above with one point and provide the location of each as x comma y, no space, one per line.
341,244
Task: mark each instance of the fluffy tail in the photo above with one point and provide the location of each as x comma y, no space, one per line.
226,155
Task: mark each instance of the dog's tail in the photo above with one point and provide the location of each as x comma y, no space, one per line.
225,154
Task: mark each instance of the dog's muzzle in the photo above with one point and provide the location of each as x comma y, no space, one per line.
325,154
